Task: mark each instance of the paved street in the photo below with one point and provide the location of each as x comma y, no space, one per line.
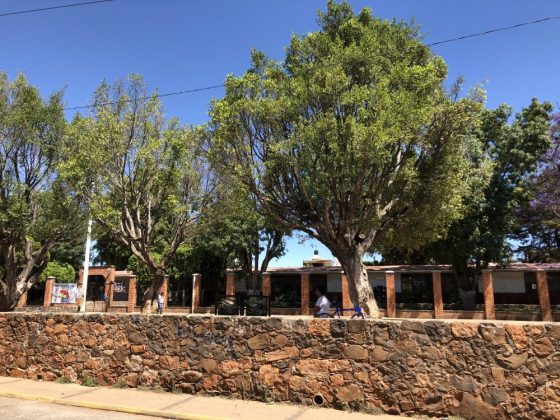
14,409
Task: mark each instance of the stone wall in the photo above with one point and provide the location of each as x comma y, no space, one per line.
473,370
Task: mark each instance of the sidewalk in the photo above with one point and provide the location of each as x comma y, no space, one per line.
166,405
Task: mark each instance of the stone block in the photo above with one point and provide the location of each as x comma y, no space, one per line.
356,352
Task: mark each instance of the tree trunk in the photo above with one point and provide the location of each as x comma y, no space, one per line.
8,300
12,287
151,293
359,287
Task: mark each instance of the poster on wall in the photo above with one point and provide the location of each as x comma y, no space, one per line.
65,293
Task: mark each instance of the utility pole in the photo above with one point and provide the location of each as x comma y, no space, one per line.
86,268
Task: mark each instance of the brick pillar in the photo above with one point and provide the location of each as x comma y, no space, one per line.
196,280
230,283
266,287
49,285
438,296
544,296
391,295
22,301
488,284
131,304
305,293
108,289
346,300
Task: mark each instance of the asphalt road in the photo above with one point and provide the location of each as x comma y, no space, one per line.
14,409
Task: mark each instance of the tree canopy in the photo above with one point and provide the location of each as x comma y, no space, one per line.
144,177
37,209
351,139
539,216
62,272
505,152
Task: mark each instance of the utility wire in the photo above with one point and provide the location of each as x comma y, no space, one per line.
181,92
491,31
64,6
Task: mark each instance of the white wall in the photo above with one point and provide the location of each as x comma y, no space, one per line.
378,279
506,282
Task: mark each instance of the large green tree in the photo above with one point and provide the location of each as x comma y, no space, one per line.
539,215
247,239
143,175
37,211
506,152
351,139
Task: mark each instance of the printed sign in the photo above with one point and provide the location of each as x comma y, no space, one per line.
65,293
120,289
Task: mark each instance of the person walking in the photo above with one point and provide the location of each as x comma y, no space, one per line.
160,303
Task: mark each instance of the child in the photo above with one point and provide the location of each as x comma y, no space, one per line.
160,303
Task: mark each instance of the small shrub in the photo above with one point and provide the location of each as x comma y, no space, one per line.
121,383
89,381
63,380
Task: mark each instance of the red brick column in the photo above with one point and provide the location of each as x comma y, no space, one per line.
230,283
22,301
489,308
305,293
346,300
266,286
391,295
131,304
196,280
49,285
109,287
108,290
544,296
438,295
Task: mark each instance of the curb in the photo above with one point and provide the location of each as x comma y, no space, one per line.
108,407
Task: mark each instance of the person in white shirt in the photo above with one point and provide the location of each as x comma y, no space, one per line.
322,306
160,303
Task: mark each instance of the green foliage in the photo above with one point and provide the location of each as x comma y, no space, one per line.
71,251
144,276
143,176
504,153
538,217
121,383
236,228
351,139
109,250
37,208
89,381
63,273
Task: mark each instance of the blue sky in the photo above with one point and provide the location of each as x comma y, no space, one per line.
184,44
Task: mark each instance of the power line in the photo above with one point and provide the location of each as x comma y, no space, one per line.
63,6
491,31
181,92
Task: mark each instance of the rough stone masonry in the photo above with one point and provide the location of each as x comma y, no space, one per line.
472,370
